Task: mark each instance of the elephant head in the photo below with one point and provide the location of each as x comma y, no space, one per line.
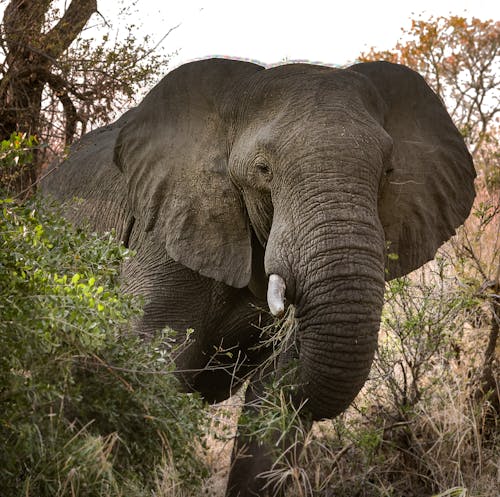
308,174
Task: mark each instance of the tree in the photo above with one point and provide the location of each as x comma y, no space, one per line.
56,81
460,60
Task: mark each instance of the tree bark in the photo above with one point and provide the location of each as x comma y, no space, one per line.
31,63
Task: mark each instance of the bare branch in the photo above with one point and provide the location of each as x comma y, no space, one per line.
23,21
58,39
58,86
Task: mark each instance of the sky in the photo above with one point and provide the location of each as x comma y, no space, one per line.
270,32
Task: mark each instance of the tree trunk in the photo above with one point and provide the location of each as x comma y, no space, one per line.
30,63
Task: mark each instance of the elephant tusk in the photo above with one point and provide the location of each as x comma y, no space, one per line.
276,295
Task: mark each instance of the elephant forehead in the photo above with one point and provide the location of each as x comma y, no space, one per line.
303,82
312,133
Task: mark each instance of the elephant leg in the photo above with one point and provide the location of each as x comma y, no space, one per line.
253,459
250,456
172,294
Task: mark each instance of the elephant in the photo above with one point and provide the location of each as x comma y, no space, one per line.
242,187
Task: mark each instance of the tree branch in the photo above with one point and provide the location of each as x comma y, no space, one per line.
71,116
60,37
23,21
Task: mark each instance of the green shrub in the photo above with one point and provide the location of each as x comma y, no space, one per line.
87,408
16,160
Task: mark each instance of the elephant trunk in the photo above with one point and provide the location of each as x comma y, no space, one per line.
333,267
337,337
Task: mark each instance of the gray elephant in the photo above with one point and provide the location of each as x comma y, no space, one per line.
229,175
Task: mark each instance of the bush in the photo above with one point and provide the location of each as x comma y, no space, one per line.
16,158
86,407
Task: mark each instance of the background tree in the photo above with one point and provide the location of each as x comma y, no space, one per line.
460,59
57,81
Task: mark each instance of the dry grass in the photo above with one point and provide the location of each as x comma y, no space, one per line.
220,443
218,456
445,445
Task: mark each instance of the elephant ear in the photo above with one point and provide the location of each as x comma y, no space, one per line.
174,154
429,187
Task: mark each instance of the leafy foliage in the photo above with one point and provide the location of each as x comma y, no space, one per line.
87,407
421,329
16,153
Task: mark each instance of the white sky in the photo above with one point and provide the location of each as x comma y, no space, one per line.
333,32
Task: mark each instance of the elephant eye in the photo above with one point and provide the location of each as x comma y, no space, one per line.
263,168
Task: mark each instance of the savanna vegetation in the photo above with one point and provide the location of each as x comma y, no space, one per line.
88,408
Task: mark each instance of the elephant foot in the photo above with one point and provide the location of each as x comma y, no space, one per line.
249,464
